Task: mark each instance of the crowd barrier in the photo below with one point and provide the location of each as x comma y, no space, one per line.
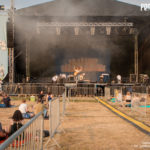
125,89
54,120
139,98
29,89
78,90
139,103
28,137
56,89
63,103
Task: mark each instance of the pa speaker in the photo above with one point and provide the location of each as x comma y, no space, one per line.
10,39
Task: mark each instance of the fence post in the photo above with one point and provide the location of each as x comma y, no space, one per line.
42,127
64,103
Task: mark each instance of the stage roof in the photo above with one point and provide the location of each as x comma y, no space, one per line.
83,8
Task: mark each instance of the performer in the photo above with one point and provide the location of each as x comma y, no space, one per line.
81,76
119,79
77,70
55,78
101,78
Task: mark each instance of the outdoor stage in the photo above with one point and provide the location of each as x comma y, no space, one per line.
45,47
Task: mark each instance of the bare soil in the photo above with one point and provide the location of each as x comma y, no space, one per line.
89,125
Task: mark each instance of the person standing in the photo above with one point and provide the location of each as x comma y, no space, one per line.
119,96
40,107
49,97
41,96
128,99
119,79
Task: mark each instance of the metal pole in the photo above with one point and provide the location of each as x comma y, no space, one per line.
11,50
27,59
42,127
13,21
136,56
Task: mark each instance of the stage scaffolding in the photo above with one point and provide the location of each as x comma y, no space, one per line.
108,25
76,25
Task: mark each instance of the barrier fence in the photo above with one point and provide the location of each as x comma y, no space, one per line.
54,120
63,103
28,137
56,89
140,102
30,89
78,90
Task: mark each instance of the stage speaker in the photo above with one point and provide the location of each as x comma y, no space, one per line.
10,39
132,78
143,78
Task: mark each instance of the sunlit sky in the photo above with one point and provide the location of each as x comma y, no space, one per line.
26,3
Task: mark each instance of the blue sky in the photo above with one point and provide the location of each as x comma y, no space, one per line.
25,3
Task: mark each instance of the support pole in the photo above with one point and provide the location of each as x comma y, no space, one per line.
11,65
11,50
27,59
136,69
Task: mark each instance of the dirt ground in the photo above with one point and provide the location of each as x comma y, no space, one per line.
88,125
91,126
6,113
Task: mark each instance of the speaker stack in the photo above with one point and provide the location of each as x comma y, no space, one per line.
10,39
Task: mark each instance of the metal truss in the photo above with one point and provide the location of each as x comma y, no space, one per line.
85,24
11,65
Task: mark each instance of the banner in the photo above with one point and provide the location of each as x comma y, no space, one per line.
3,46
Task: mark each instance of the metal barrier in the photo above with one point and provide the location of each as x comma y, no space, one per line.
28,137
54,119
56,89
91,89
63,104
107,93
82,91
29,89
139,103
138,107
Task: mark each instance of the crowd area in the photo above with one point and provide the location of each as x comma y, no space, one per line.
22,112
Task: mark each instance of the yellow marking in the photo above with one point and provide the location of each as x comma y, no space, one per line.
139,124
